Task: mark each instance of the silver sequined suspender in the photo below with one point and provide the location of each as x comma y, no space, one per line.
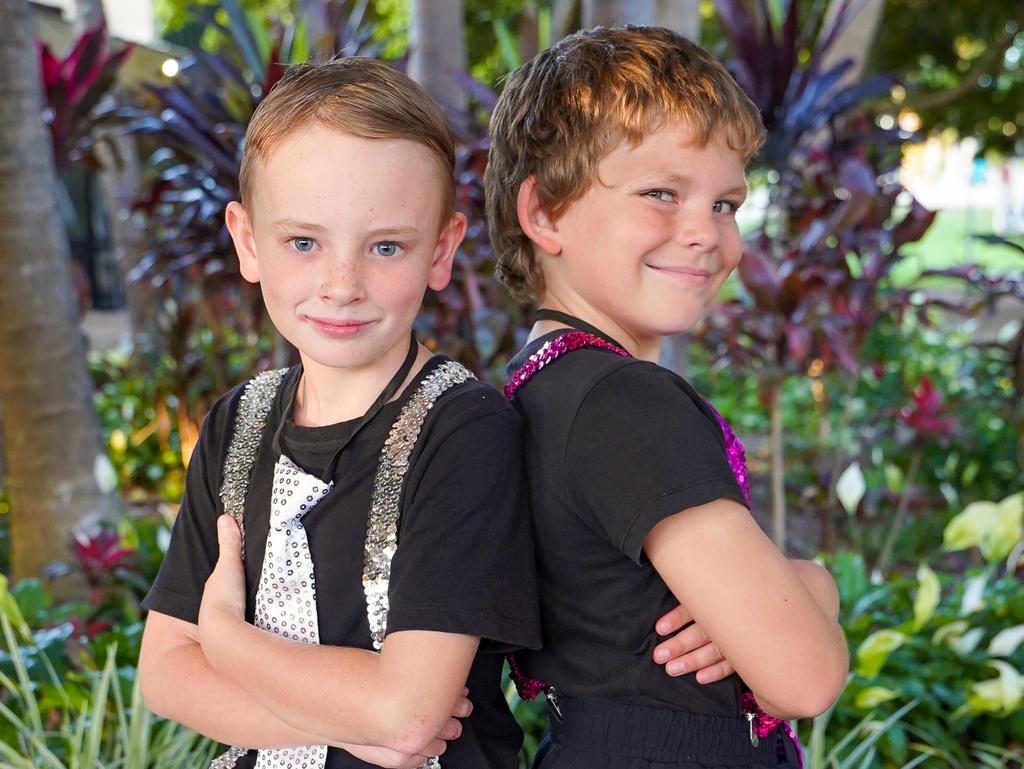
245,443
382,525
238,463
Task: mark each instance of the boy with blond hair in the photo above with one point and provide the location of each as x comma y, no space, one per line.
616,169
379,487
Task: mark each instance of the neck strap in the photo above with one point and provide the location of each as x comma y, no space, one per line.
386,395
572,321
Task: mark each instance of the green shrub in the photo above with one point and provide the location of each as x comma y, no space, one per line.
92,719
950,642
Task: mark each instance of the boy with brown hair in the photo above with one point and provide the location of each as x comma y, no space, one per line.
616,169
387,554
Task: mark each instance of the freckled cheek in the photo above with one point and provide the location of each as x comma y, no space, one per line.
400,294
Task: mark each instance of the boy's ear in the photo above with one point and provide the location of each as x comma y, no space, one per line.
535,221
452,233
240,226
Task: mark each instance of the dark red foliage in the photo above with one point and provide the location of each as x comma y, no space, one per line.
100,553
926,415
74,87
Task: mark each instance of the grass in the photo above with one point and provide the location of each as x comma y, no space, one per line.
949,242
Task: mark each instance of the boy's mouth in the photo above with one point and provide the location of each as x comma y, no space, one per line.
338,328
692,275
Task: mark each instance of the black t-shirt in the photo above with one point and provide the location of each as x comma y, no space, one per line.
613,446
464,562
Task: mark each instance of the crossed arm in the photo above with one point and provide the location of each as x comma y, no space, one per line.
244,686
774,620
688,648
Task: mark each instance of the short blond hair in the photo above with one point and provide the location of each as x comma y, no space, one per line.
569,106
357,95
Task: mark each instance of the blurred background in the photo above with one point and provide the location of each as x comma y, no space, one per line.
869,350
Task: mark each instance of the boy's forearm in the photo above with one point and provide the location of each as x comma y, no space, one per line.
339,693
181,685
819,584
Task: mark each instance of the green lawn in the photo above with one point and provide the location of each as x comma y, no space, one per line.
947,244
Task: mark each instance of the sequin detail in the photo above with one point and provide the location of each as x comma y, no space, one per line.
764,724
253,407
553,349
382,524
735,453
250,419
385,507
228,758
382,527
527,687
286,595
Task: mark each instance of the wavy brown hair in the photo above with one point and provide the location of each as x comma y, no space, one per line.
569,106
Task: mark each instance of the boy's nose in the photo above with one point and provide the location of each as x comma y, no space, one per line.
342,285
697,231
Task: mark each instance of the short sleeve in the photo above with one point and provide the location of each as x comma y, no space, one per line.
641,448
464,562
192,553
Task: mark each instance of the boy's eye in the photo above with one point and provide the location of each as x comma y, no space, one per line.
386,248
305,245
726,207
665,196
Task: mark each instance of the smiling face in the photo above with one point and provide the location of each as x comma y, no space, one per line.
344,236
650,243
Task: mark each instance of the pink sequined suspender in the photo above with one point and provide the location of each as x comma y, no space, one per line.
763,724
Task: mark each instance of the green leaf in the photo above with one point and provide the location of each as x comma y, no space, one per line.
32,598
974,594
1001,695
927,597
1007,529
874,696
950,632
1005,642
894,477
850,573
854,266
507,44
872,654
994,528
896,737
969,641
10,611
967,528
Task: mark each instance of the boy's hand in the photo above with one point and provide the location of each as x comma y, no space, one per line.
689,650
224,594
391,759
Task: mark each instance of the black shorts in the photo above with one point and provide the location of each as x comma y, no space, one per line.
592,734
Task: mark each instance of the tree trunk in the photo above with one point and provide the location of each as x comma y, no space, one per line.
437,49
52,433
682,16
856,38
610,12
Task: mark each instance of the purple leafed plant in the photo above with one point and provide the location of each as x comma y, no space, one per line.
74,86
815,272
